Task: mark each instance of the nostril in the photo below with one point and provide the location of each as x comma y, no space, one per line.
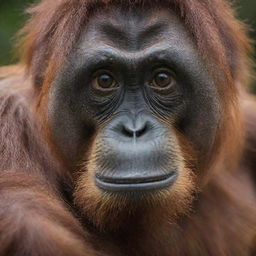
127,132
141,131
134,132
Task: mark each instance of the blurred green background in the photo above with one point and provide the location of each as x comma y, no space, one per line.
12,18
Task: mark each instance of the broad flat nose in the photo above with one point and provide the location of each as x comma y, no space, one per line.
133,128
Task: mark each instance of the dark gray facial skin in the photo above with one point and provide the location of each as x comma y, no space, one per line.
137,151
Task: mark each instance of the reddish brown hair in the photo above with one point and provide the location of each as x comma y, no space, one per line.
224,219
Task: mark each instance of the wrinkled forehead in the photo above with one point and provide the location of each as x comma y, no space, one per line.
134,29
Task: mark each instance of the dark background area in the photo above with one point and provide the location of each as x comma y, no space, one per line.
12,18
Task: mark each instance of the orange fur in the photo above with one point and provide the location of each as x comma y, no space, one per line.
34,180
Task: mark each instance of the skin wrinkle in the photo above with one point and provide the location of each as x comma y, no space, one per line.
77,57
201,121
106,167
105,148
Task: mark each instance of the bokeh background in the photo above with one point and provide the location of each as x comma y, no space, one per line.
12,18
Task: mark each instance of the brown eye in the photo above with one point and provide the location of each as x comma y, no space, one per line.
104,81
162,80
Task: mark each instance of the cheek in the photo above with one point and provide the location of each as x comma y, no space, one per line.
202,120
70,132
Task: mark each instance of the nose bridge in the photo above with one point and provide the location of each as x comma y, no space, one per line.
135,121
136,110
134,100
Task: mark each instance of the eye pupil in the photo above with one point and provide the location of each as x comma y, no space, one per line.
105,81
162,79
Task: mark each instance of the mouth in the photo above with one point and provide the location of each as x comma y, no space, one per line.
137,184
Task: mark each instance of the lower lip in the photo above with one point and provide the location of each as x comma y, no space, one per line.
136,187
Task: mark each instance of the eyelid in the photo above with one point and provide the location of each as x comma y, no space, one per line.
102,71
162,68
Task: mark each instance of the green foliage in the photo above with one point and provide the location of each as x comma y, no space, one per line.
247,12
12,17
